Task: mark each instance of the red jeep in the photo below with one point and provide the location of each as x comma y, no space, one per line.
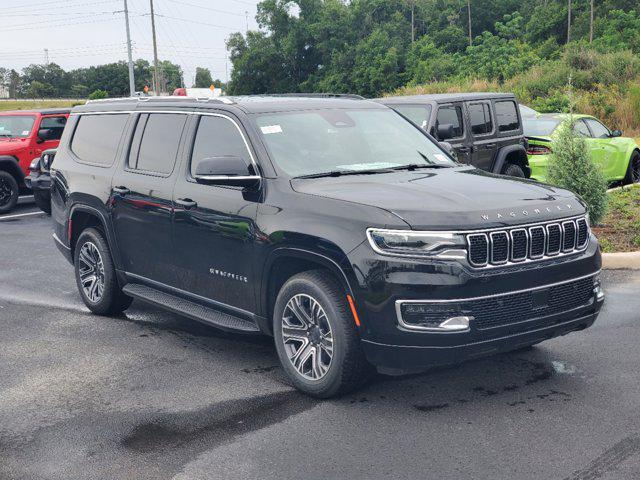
24,135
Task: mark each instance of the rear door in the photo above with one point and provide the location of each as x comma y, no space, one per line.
508,124
141,197
214,226
481,126
453,114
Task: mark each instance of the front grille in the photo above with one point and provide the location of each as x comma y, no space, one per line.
518,307
533,242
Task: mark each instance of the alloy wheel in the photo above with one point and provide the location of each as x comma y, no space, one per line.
307,336
5,192
91,270
635,169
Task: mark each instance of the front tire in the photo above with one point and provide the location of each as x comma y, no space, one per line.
633,170
96,275
513,170
9,192
316,338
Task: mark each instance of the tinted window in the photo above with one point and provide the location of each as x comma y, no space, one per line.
540,126
418,115
581,129
96,137
217,137
55,125
452,115
598,130
156,141
506,116
480,117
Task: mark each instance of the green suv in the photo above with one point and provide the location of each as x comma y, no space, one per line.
618,156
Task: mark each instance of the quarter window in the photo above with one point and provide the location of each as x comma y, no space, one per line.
480,117
155,142
507,116
598,129
451,115
96,138
217,137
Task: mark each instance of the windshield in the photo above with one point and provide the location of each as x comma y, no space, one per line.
16,126
539,126
319,141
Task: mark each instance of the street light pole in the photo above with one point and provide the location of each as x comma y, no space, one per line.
132,83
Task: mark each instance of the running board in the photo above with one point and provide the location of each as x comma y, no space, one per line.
190,309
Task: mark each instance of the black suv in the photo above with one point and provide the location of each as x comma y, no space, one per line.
332,224
483,129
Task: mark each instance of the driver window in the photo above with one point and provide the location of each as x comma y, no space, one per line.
581,129
599,130
451,114
55,125
217,137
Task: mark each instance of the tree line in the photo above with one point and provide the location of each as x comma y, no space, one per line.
111,79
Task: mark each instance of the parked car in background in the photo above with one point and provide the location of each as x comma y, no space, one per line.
24,135
332,224
483,129
39,179
618,156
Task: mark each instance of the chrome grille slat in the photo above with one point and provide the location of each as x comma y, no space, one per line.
526,243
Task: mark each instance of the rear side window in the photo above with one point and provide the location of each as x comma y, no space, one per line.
507,116
418,115
96,138
55,125
156,141
451,115
480,118
217,137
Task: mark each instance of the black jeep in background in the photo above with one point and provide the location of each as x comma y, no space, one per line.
483,129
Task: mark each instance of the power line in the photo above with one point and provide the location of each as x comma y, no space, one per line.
57,3
63,24
195,22
207,8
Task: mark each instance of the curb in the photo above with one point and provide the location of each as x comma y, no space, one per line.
621,261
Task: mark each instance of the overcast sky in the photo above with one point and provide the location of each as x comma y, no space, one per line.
80,33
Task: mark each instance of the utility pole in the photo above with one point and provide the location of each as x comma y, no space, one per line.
568,21
413,24
156,76
246,19
46,57
591,23
469,15
132,82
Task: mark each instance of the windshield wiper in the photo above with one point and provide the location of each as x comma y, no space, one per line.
340,173
415,166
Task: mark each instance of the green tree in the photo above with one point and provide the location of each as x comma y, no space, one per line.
571,167
203,78
39,89
98,94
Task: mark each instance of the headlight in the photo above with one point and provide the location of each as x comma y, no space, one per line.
412,243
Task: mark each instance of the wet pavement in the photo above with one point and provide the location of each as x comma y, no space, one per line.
151,395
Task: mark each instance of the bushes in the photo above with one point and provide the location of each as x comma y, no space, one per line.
571,167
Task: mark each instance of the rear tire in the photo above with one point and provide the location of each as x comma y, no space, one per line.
43,201
320,350
633,170
96,275
513,170
9,192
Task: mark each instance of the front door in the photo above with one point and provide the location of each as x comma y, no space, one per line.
141,206
214,226
453,115
604,150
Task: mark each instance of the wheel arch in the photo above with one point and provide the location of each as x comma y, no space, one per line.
10,164
515,154
82,217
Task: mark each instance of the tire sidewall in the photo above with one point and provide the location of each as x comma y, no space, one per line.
330,383
15,192
513,170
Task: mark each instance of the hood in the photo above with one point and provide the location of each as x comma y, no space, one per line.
450,198
8,146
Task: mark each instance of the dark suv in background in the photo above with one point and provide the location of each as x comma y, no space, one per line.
484,129
332,224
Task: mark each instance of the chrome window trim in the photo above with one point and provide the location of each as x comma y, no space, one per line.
547,252
544,242
526,250
491,260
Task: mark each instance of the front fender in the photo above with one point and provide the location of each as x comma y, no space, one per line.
504,152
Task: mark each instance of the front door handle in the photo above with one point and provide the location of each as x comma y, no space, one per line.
187,203
121,190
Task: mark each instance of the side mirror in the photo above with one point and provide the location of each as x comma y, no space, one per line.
447,147
616,133
445,131
226,170
44,134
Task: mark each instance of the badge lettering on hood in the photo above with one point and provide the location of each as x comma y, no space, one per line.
526,213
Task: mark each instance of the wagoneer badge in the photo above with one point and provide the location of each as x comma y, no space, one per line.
526,213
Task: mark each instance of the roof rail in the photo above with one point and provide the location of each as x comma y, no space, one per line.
316,95
161,98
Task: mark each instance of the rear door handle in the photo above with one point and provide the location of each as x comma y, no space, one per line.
187,203
121,190
490,146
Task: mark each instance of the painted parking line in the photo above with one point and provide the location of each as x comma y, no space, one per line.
21,215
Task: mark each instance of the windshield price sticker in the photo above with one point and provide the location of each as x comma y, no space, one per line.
269,129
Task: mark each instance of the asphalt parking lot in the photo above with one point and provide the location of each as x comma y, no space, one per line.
152,395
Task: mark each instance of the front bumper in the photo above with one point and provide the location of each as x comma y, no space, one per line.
563,301
38,181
